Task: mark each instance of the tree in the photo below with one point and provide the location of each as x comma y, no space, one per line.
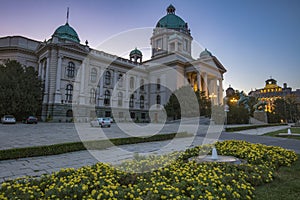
285,110
20,90
238,114
184,102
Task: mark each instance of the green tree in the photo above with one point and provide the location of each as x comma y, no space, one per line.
239,114
184,102
20,90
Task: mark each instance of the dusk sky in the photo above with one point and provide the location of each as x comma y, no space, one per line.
253,39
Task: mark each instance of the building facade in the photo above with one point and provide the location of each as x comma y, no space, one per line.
272,91
84,82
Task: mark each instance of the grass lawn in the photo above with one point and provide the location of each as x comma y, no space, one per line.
286,184
293,130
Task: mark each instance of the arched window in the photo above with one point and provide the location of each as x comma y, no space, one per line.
106,97
92,96
142,101
131,101
131,83
158,99
71,70
158,84
120,99
93,76
142,86
69,93
107,78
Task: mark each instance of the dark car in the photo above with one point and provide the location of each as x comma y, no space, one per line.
30,120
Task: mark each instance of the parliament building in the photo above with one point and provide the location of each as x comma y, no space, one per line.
87,83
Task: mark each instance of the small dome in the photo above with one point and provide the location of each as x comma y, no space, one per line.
205,53
135,51
66,32
172,21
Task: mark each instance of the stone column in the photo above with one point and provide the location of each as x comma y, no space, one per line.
199,81
126,76
82,84
101,83
205,84
46,93
220,91
58,79
40,69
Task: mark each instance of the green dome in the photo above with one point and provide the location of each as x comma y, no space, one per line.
66,32
172,21
205,53
135,51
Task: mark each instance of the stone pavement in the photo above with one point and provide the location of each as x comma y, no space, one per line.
36,166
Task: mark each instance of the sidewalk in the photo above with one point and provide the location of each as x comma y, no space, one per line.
261,131
36,166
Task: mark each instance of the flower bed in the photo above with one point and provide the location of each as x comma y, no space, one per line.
165,177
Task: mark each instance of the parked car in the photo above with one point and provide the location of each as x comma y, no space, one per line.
30,120
8,119
102,121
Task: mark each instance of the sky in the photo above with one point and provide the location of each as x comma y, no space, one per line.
253,39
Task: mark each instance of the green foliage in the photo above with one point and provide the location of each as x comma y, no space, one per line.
184,102
285,109
238,114
20,90
167,176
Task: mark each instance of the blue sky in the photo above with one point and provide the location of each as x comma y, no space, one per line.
253,39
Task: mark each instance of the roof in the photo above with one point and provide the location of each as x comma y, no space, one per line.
135,51
66,32
172,21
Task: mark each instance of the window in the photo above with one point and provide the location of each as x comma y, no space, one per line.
69,93
131,83
159,44
158,99
132,115
120,80
120,99
142,86
143,115
93,75
106,97
158,84
131,101
107,78
71,70
142,101
92,96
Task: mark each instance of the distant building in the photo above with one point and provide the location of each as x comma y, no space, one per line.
272,91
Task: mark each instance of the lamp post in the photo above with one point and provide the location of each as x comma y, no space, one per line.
226,110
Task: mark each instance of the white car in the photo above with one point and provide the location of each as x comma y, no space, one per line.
8,119
102,121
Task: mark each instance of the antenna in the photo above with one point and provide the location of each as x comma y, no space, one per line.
67,15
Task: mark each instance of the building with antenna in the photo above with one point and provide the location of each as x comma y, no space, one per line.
82,81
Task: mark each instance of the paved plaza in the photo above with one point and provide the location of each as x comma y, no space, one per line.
22,135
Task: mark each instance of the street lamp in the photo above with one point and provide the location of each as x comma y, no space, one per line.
226,110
